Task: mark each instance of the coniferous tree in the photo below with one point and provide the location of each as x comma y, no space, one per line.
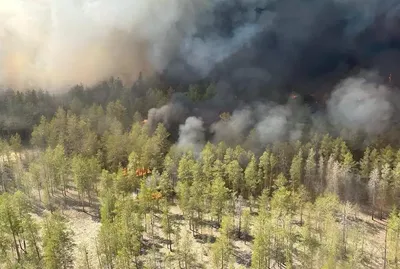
310,171
184,252
167,222
57,243
393,239
395,185
208,158
365,164
222,248
296,171
263,241
234,175
265,169
85,172
251,177
219,196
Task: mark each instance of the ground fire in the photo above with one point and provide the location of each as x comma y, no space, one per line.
139,172
142,172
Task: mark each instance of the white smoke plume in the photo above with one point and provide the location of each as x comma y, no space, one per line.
260,125
274,125
191,135
361,104
232,131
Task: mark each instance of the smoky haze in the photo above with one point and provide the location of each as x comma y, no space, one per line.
254,51
60,43
249,43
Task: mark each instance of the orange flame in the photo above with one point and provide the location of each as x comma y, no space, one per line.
156,195
125,171
142,172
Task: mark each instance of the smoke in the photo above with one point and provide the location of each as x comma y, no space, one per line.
253,50
191,135
260,124
54,44
233,130
170,115
57,43
278,125
361,104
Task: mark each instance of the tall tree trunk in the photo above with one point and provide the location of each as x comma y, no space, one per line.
15,243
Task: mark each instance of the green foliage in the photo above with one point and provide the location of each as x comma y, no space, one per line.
251,177
167,222
219,196
96,142
185,171
85,172
57,243
296,172
222,249
184,251
234,174
263,236
120,238
115,142
19,240
393,236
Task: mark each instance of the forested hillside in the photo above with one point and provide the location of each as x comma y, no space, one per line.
95,184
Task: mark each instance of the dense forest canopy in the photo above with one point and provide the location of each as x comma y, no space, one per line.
164,204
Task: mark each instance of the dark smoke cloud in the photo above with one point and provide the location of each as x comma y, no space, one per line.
58,43
358,105
253,50
170,115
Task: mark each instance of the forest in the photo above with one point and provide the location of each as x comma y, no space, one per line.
86,182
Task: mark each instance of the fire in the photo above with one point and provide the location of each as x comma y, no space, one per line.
142,172
139,172
293,96
156,195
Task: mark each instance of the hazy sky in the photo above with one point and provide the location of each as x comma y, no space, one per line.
59,42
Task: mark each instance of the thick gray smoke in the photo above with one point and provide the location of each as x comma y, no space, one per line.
361,104
170,114
278,124
232,130
257,49
191,135
261,124
57,43
60,43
